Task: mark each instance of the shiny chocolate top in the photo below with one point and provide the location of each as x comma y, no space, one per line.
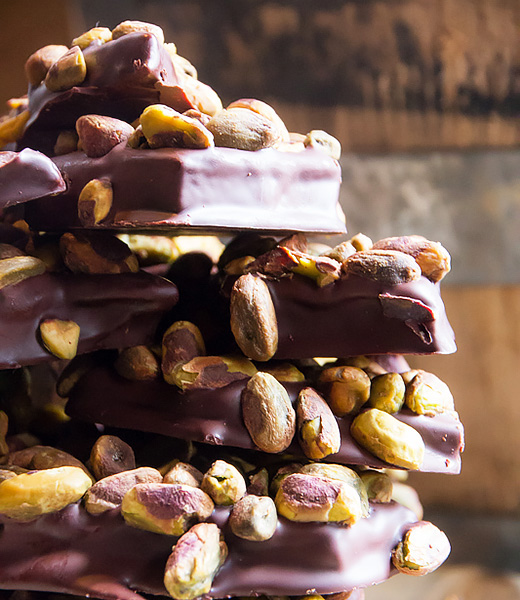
27,175
113,311
74,552
212,189
214,416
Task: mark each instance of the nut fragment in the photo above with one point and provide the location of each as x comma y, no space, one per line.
324,142
379,486
67,141
44,457
17,268
423,549
190,94
243,129
254,518
211,372
108,492
168,508
60,337
370,366
32,494
387,392
37,65
96,253
322,269
111,455
184,473
164,127
303,497
388,438
69,70
99,35
9,251
361,242
194,562
387,266
342,251
259,483
95,201
264,109
224,483
181,342
318,429
126,27
346,389
98,134
432,257
268,413
284,372
12,128
253,318
426,394
138,363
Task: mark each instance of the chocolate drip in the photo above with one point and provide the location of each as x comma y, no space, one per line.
214,416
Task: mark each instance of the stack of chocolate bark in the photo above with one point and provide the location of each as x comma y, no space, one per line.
186,418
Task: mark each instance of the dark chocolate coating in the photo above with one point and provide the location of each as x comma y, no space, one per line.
347,318
120,81
216,188
215,417
27,175
74,552
113,311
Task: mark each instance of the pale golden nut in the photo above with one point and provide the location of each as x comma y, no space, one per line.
264,109
243,129
210,372
183,473
68,71
224,483
60,337
423,549
127,27
37,65
361,242
378,485
18,268
95,202
387,392
137,363
386,266
346,389
181,342
323,142
99,35
319,433
426,394
284,372
254,518
66,142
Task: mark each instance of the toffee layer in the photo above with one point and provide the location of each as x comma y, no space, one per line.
27,175
215,417
113,311
216,189
74,552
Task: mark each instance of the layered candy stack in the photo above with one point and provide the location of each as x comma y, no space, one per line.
168,426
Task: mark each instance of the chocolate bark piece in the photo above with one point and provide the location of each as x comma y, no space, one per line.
74,552
213,189
214,416
120,83
27,175
112,311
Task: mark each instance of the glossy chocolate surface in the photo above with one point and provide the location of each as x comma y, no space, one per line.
113,311
27,175
214,417
74,552
216,188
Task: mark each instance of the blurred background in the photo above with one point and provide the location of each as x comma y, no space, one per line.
424,96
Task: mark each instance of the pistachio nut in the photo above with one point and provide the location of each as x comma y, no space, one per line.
66,142
18,268
277,263
126,27
370,366
224,483
409,375
282,473
97,253
268,413
194,562
37,65
151,249
387,266
137,140
318,430
60,337
264,109
68,71
137,363
378,485
107,493
95,202
342,251
12,128
32,494
168,508
303,497
433,259
239,266
244,129
98,35
183,473
259,483
9,251
423,549
284,372
322,269
388,438
426,394
40,457
181,342
347,389
253,318
98,134
254,518
111,455
198,95
6,474
387,392
164,127
361,242
211,372
245,244
323,142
